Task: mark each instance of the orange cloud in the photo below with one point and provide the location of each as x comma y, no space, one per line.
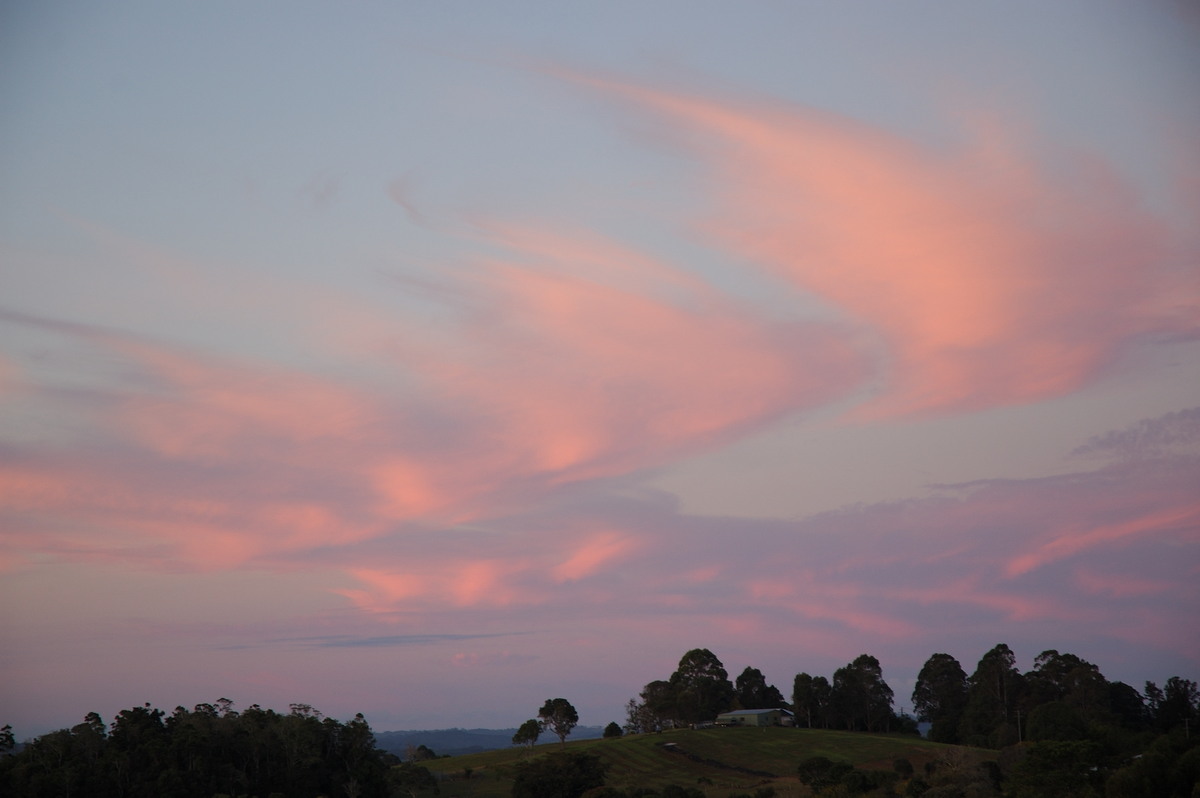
990,279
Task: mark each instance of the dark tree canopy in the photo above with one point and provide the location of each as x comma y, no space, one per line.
753,692
994,690
940,696
861,698
810,698
559,717
1176,705
701,687
528,733
566,774
1067,678
210,750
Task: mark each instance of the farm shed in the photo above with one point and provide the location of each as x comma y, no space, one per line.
756,717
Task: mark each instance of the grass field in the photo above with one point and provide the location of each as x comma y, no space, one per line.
725,754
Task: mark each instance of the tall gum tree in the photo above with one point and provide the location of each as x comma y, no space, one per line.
701,687
940,696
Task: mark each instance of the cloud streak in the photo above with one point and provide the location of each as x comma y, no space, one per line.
988,278
568,358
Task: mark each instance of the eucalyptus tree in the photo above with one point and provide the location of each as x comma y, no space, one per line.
701,687
559,717
528,734
753,692
993,692
940,696
861,698
810,700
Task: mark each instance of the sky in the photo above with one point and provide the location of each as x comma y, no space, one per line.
432,359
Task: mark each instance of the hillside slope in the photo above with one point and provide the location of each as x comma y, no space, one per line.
719,761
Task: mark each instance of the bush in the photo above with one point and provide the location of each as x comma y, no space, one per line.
818,772
559,775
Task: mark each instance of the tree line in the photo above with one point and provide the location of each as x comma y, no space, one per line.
207,751
1056,727
1060,729
1062,696
700,689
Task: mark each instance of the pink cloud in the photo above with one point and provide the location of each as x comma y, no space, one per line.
1074,541
595,552
564,356
990,278
623,361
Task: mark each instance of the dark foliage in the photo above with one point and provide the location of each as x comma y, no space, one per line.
528,734
697,692
700,687
558,716
207,751
819,772
564,774
1169,768
753,692
940,697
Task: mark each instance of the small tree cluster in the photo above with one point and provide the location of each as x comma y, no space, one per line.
858,698
697,692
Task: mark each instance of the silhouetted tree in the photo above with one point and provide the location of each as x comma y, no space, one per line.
701,687
940,696
753,692
528,734
1127,706
861,699
207,751
810,700
993,691
1176,705
559,717
1069,679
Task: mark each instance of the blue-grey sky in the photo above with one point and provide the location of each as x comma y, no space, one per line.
432,359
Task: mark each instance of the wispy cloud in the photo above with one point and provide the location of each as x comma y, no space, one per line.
1150,437
385,641
567,358
981,557
988,278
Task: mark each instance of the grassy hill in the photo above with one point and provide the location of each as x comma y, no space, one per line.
720,761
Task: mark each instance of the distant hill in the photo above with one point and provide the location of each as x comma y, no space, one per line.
458,742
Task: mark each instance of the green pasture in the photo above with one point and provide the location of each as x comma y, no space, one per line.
655,760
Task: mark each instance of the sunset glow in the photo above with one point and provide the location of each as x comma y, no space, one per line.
413,345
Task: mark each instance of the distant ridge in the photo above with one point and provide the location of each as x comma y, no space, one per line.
458,742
